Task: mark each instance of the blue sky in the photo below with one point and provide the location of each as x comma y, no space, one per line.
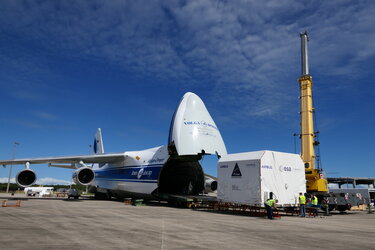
68,67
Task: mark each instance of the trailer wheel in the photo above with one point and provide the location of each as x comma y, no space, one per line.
342,208
324,205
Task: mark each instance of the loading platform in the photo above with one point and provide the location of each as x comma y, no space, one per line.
211,203
188,201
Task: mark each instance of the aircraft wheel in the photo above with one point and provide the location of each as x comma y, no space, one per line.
100,196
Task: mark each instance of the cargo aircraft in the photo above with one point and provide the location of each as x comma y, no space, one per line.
151,173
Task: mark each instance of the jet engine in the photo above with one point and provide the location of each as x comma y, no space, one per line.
26,178
210,185
83,176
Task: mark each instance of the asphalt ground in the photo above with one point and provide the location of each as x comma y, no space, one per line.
91,224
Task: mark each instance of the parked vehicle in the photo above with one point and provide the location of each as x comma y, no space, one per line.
73,193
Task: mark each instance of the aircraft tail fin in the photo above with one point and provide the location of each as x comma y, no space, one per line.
98,142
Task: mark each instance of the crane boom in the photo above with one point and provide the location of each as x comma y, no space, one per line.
315,180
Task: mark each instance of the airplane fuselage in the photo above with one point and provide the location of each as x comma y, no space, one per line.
150,172
136,176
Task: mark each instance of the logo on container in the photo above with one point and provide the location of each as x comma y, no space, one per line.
236,171
285,169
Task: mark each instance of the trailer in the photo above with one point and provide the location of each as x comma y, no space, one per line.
253,177
38,191
355,196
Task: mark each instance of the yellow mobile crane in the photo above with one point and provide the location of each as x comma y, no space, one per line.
316,183
314,176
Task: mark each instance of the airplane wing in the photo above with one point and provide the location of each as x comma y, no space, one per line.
98,158
210,176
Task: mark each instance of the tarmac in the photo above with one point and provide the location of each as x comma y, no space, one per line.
92,224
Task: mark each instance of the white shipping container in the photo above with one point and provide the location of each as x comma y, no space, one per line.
248,178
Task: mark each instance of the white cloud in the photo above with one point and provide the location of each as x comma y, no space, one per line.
5,180
41,181
45,115
247,52
52,181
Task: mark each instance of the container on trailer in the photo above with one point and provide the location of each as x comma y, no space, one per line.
252,177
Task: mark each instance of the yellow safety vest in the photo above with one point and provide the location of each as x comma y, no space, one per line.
302,200
314,201
270,203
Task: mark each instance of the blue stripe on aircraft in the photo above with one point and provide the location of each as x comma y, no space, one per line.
131,180
139,173
135,166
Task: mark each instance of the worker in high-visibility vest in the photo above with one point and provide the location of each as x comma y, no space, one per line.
302,205
314,203
270,204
